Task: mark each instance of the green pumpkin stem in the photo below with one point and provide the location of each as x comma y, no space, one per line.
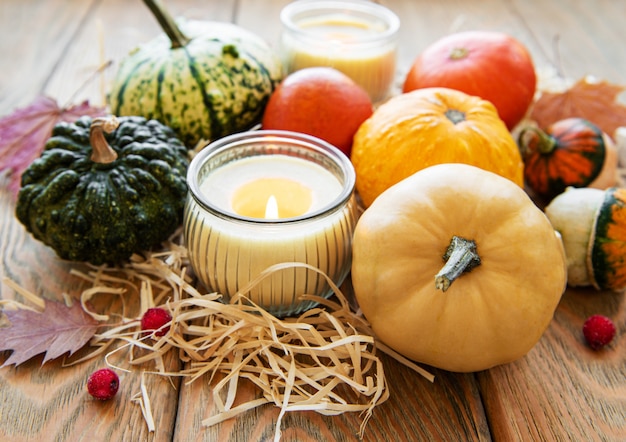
455,116
167,23
460,257
101,151
541,141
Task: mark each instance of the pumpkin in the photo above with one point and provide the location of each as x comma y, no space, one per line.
205,80
491,65
100,197
570,152
593,225
319,101
431,126
457,268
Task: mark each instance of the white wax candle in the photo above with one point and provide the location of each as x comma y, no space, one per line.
291,177
227,253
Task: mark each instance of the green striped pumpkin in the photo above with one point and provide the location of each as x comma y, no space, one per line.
203,79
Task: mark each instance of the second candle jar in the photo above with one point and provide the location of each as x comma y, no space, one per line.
261,198
358,38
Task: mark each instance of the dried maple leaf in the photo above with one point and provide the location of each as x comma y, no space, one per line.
594,101
23,134
55,331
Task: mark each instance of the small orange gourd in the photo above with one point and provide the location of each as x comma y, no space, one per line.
426,127
571,152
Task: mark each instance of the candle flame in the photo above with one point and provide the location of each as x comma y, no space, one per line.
271,208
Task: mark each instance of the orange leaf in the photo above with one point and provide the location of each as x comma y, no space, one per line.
593,101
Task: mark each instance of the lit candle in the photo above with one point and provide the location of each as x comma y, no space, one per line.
357,38
245,186
268,197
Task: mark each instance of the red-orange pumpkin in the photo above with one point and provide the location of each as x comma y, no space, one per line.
572,152
488,64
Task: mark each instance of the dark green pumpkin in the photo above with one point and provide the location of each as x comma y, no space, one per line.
100,197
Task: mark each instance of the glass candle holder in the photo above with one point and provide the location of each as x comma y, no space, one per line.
261,198
358,38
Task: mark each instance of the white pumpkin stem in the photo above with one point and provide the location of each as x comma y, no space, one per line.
460,257
458,53
167,23
101,151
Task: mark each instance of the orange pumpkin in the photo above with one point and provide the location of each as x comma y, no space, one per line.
571,152
426,127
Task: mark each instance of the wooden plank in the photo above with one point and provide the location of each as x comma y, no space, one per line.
563,390
578,37
448,409
36,36
248,13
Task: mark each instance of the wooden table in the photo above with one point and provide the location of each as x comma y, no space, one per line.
561,390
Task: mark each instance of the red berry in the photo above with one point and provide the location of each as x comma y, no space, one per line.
155,318
103,384
599,331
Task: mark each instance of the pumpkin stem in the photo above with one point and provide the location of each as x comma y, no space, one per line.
460,256
458,53
101,151
168,24
456,116
533,139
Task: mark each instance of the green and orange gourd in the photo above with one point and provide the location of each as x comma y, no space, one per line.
592,223
572,152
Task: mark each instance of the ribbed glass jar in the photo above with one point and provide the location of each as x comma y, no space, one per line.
356,37
228,250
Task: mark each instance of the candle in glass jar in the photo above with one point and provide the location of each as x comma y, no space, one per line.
356,38
268,201
245,186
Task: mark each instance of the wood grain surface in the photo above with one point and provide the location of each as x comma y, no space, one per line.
560,391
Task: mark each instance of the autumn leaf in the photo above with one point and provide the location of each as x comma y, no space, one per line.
55,331
23,133
594,101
